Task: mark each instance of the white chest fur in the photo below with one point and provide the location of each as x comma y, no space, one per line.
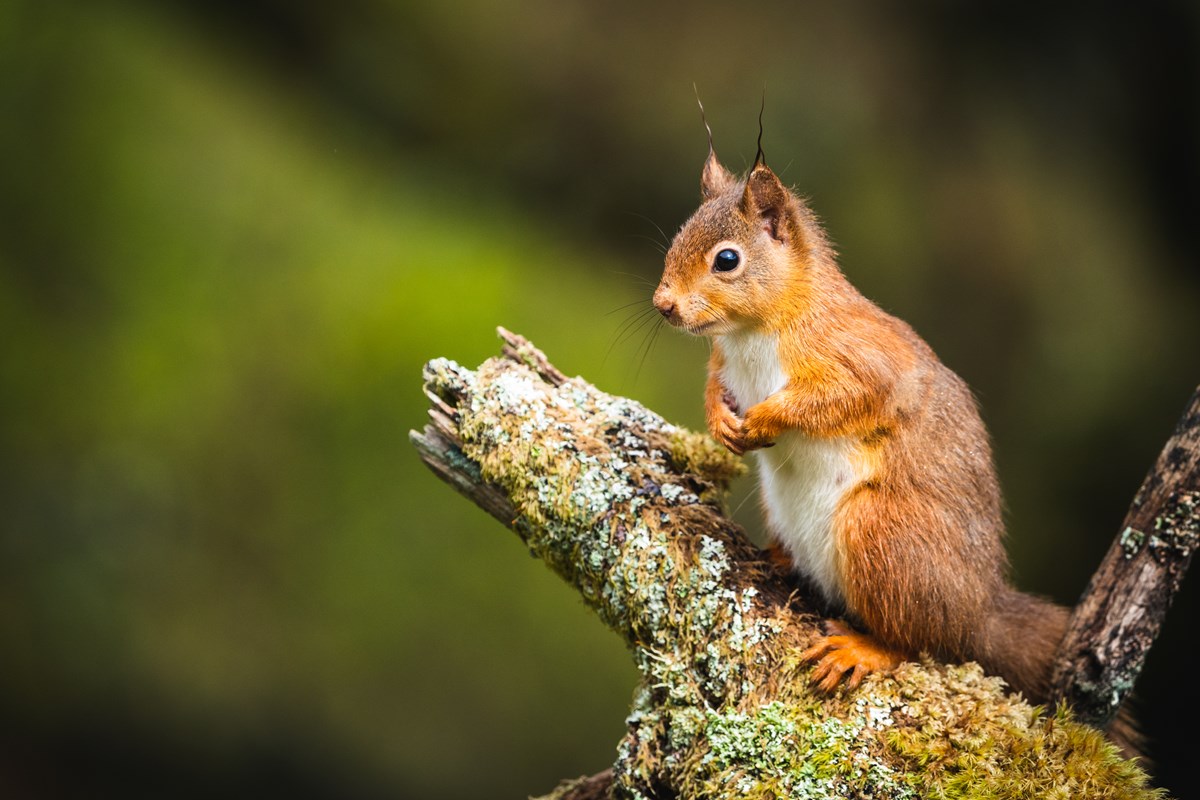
752,369
803,478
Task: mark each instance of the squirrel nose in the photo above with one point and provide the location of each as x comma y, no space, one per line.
664,304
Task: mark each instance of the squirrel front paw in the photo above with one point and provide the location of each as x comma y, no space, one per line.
756,430
844,652
725,425
732,431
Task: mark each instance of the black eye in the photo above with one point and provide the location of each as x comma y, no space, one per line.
726,260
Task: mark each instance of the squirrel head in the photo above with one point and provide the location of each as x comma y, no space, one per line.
743,259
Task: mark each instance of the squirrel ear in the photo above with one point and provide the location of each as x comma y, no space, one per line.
715,178
767,199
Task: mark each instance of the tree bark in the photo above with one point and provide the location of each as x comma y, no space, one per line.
627,508
1120,613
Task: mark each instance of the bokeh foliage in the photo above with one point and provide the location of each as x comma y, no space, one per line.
231,233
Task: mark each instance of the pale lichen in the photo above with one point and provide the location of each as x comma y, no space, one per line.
1178,525
1131,542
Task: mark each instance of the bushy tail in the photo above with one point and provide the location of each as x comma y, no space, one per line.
1020,640
1019,644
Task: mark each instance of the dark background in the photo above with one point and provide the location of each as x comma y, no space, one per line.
232,232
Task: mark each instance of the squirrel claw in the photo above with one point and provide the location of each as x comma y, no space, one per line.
849,655
739,443
726,429
753,435
731,430
732,444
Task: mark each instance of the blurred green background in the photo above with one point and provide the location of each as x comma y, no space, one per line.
232,232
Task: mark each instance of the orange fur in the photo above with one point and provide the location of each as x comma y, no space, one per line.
916,529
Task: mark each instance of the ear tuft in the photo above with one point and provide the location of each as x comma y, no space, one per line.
715,179
767,199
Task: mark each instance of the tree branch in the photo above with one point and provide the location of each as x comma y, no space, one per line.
627,509
1123,607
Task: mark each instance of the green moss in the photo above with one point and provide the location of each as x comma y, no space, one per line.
700,454
965,743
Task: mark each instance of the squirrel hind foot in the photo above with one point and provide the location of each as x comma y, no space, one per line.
850,655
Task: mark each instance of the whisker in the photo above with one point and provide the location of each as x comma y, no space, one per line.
632,324
659,246
739,505
666,239
642,279
646,346
625,306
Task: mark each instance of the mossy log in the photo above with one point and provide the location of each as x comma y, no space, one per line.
627,508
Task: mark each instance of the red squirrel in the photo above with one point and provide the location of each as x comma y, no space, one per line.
875,468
